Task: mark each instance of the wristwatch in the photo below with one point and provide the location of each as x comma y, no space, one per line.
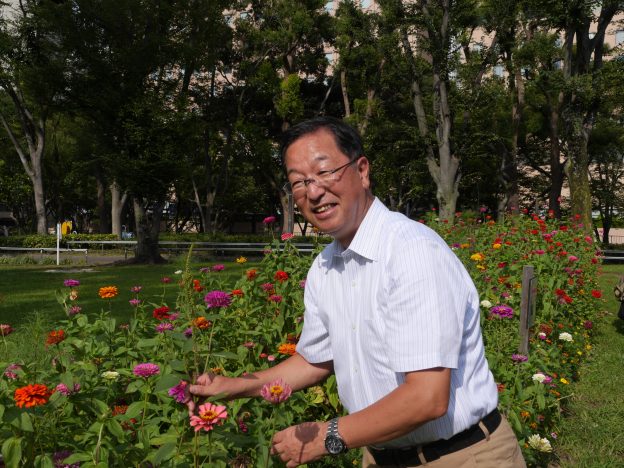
334,444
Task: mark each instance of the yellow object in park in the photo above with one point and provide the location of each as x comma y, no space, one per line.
66,227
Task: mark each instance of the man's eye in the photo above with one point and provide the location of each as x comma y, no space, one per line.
324,173
296,184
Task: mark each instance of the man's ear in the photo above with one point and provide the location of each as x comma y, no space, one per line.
363,168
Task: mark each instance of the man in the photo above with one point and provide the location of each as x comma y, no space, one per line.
393,313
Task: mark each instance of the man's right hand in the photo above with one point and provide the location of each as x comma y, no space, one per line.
204,386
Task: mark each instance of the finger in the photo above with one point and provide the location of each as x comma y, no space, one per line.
199,390
191,407
205,379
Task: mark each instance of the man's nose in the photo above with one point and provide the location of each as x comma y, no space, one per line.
315,190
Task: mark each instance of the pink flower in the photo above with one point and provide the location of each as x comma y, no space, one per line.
275,298
10,371
73,310
5,329
287,235
502,311
209,416
174,316
249,344
164,326
270,358
165,280
572,258
136,289
65,390
134,302
269,220
146,369
268,287
276,392
218,299
178,392
71,283
219,267
302,284
188,332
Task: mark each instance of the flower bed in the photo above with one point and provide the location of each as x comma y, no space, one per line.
110,395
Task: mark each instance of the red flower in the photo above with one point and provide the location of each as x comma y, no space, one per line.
281,276
596,293
32,395
161,313
55,337
197,286
251,274
237,292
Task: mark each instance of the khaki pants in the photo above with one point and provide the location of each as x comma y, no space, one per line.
501,451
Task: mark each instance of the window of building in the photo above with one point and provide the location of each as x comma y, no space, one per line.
592,35
498,70
329,6
329,57
619,37
244,15
365,3
557,64
477,47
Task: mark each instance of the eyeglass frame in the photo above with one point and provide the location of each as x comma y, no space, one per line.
306,182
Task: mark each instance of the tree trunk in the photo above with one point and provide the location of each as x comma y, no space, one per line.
577,170
147,232
556,167
345,92
117,203
103,227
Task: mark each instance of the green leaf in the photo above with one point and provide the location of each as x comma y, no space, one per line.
166,382
43,461
165,452
225,355
25,423
134,409
12,452
113,426
147,343
178,365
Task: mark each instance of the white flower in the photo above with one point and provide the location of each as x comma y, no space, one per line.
110,375
539,443
486,304
541,335
539,377
565,336
177,272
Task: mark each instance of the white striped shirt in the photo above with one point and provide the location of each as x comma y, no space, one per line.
397,300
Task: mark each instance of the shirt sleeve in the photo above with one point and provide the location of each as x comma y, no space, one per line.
314,343
428,290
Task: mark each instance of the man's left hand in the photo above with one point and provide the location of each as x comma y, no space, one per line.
300,444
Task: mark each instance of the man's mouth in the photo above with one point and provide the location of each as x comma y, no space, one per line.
323,208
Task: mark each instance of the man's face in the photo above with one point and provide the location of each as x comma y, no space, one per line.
338,208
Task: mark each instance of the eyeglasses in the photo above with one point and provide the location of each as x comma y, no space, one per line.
323,179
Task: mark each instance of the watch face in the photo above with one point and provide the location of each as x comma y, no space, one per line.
334,445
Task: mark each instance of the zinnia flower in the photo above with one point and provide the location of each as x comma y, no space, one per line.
65,390
165,280
281,276
268,287
201,323
217,299
136,289
502,311
11,371
178,392
188,332
477,257
269,220
164,326
302,284
32,395
146,369
538,443
110,375
5,329
486,304
286,236
73,310
287,348
73,294
135,302
58,459
219,267
519,358
251,274
161,313
596,293
55,337
565,336
240,260
71,283
237,293
276,392
108,292
275,298
209,416
197,285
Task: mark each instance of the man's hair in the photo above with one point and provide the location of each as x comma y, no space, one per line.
347,138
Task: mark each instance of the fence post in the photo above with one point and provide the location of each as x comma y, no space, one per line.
527,307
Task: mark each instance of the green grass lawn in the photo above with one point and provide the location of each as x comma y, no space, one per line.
25,290
590,435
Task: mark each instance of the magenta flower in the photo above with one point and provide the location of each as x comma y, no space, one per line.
209,416
65,390
302,284
276,392
165,280
269,220
162,327
135,302
188,332
146,369
275,298
136,289
219,267
588,325
519,358
572,258
5,329
11,371
71,283
174,316
178,392
268,287
58,459
502,311
217,299
73,310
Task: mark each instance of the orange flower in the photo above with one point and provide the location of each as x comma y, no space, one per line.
73,294
281,276
197,285
287,348
524,414
202,323
108,292
32,395
251,274
55,337
119,409
237,293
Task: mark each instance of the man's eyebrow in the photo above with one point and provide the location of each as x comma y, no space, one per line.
318,158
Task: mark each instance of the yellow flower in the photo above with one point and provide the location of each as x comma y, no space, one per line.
464,246
497,246
478,257
481,267
588,347
580,353
108,292
563,381
240,260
